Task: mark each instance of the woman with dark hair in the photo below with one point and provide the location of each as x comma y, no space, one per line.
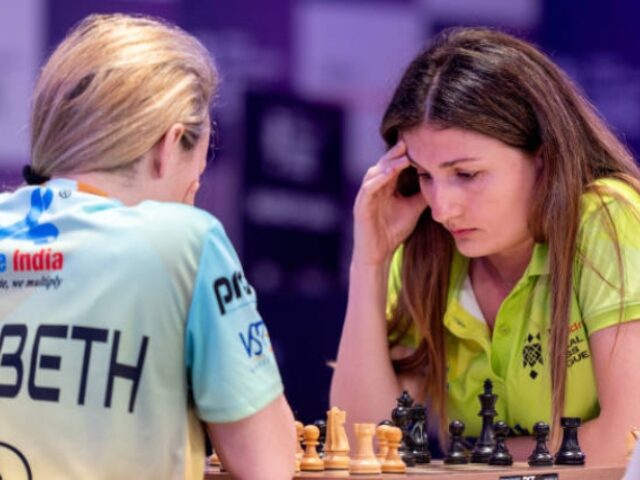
496,239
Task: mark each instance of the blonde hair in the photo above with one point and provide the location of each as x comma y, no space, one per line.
111,90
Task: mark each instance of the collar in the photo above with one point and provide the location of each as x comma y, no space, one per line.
67,184
539,263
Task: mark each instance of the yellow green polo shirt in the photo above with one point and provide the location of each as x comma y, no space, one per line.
515,357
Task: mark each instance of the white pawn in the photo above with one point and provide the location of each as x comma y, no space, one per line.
311,461
393,463
383,444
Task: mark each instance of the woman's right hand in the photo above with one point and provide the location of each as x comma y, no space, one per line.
382,217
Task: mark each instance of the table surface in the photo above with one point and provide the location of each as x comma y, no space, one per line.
437,471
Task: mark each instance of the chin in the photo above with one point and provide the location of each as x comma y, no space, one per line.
472,251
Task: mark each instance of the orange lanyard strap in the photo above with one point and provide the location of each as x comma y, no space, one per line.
86,188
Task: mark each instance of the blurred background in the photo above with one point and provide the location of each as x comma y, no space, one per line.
304,85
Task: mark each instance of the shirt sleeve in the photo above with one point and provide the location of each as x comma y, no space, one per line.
604,296
229,358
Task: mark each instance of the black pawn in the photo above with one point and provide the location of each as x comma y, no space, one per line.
322,426
570,453
457,453
501,455
486,441
401,416
418,435
540,457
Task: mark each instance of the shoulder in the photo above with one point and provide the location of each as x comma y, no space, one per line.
177,231
610,202
177,222
609,192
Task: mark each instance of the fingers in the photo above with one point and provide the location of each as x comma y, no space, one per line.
398,150
377,177
380,179
394,158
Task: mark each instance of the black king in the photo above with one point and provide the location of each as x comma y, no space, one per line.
486,441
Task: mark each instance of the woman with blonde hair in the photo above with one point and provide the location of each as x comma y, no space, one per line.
128,324
496,239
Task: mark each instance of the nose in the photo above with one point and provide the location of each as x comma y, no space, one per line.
444,201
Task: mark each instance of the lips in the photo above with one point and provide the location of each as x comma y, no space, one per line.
461,232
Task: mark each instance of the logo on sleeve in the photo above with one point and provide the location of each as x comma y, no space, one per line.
232,292
255,339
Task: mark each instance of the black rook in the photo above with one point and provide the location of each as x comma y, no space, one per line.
570,453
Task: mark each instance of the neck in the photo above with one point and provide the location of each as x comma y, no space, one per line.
129,189
507,267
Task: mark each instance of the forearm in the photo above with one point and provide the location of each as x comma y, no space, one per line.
260,447
603,441
364,383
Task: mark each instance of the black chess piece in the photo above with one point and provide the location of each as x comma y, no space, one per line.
540,457
570,453
418,434
457,453
501,455
400,414
401,417
322,426
486,441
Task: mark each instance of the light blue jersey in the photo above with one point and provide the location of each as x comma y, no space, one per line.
121,328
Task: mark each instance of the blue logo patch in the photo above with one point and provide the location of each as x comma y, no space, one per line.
256,340
30,228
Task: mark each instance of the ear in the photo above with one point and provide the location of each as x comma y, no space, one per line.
539,163
166,150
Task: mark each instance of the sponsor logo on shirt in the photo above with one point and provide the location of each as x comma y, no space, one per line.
42,260
45,259
32,229
232,292
532,354
255,339
578,346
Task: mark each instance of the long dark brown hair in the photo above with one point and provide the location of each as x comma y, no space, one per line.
495,84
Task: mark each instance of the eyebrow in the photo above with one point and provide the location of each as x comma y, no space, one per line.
447,164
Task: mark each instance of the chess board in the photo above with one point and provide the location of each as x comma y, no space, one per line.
438,471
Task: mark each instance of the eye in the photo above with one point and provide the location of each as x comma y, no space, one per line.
424,176
466,175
